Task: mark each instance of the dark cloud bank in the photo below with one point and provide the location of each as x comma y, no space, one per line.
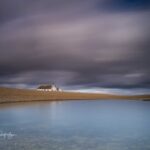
75,44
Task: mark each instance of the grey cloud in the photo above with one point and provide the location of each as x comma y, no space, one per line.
10,10
89,50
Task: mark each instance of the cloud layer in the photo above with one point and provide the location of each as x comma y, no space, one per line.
92,43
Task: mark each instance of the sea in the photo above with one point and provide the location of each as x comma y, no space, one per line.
75,125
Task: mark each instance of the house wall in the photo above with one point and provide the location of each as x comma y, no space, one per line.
44,89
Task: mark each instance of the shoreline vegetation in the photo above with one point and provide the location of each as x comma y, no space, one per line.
8,95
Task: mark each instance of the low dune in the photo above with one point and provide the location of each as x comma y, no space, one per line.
26,95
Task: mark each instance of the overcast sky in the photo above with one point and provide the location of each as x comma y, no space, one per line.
76,44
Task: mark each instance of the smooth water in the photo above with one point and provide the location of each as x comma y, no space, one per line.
75,125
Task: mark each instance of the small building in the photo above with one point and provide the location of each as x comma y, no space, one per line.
48,87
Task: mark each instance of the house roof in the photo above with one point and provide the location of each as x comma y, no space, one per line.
48,86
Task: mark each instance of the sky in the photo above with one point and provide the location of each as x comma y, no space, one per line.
87,45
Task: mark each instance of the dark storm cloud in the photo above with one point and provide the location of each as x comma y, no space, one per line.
74,43
126,5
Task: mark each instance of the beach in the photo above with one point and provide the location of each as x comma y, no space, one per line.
8,95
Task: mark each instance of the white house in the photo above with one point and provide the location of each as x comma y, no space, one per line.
48,87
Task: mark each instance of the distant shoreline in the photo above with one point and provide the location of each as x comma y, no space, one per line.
9,95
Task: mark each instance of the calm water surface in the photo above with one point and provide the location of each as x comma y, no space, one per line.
75,125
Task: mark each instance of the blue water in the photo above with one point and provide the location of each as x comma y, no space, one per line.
75,125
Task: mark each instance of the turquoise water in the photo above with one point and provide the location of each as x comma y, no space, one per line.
75,125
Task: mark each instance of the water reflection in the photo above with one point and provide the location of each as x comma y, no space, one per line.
76,125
